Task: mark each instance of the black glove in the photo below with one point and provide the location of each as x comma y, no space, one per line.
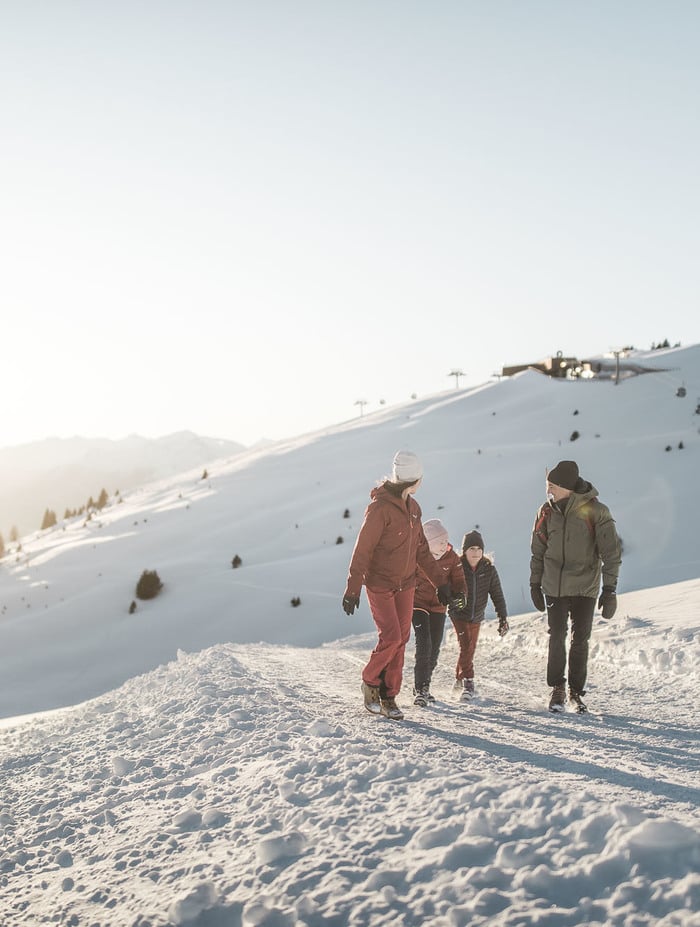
444,594
458,601
503,627
607,602
350,603
537,597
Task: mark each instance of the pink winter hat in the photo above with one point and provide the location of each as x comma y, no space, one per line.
434,530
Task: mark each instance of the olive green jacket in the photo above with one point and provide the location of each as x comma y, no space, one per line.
570,549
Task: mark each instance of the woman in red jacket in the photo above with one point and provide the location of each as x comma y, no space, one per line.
389,547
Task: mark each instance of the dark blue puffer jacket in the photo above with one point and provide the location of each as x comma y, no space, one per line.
481,583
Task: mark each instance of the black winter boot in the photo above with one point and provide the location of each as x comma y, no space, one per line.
577,701
422,696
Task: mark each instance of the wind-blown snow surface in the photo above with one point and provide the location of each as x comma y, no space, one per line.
240,782
245,785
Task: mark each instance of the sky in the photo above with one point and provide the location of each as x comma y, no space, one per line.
245,219
206,759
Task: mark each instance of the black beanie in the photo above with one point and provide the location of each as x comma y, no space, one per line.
472,539
565,474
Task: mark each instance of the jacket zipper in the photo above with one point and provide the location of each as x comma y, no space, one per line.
410,542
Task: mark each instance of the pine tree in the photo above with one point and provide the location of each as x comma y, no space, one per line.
49,520
2,546
14,534
102,500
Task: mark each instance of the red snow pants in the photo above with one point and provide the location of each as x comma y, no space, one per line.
467,636
392,613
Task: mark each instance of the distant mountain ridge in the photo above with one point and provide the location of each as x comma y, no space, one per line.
61,473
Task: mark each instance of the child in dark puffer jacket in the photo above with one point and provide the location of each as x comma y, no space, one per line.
482,581
428,612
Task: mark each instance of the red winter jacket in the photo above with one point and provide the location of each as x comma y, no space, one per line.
426,595
390,545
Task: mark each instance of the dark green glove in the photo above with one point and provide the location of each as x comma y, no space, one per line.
537,597
503,627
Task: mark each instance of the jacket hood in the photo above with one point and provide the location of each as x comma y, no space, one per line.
381,492
584,492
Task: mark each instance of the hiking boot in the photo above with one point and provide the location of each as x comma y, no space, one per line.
577,701
371,694
467,693
390,709
558,699
422,696
431,698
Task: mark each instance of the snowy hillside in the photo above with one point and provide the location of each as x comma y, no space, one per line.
246,785
218,768
281,510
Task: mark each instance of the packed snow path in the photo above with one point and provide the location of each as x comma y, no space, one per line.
247,785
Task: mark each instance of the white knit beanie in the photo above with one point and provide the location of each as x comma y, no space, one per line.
406,468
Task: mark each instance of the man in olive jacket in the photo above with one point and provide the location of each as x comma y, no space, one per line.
574,540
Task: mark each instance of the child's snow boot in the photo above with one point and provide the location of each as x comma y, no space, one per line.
464,688
467,693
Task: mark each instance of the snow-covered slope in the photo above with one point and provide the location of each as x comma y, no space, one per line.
281,510
246,785
226,774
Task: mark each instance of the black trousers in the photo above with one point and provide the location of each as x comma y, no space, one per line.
581,609
429,628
